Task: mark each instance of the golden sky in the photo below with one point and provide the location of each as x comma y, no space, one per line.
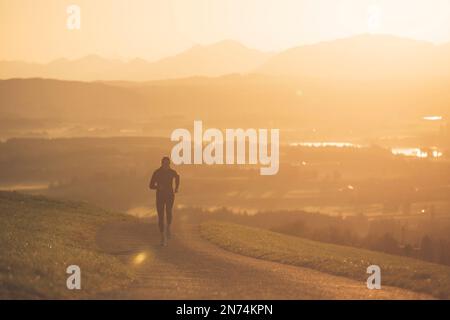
34,30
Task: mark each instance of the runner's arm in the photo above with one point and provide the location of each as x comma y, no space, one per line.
177,182
152,184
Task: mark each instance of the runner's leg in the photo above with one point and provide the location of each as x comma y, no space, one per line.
160,209
169,205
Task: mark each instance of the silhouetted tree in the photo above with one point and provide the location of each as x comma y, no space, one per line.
389,244
426,248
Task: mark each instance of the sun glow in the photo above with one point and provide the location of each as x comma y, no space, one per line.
177,25
432,118
417,152
326,144
140,258
374,18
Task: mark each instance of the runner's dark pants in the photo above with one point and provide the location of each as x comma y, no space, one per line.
164,204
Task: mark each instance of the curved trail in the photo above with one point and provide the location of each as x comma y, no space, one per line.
192,268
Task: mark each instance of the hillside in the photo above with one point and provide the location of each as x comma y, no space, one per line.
40,238
328,106
40,98
334,259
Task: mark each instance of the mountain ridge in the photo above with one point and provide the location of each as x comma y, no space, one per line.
217,59
361,57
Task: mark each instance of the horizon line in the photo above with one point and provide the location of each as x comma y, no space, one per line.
131,59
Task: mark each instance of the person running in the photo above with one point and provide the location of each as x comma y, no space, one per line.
162,182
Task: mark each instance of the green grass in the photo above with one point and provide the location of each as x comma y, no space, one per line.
338,260
40,237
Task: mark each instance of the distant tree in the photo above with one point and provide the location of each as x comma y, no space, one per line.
443,252
408,250
426,248
389,244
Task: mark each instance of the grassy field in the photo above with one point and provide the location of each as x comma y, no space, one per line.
344,261
40,237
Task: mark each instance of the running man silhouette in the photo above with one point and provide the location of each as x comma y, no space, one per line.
162,182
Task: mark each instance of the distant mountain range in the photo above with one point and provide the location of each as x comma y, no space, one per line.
362,83
359,57
362,57
225,57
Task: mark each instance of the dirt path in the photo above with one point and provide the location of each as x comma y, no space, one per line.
192,268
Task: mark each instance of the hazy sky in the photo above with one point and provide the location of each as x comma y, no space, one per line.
34,30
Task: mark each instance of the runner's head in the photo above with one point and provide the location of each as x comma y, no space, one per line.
165,162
